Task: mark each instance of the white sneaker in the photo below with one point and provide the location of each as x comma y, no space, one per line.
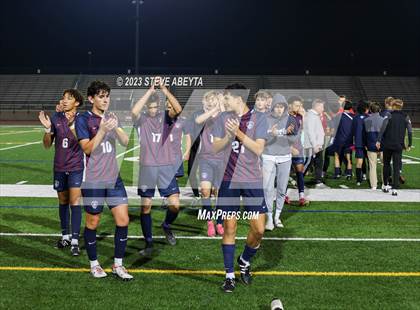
269,223
278,223
373,188
121,272
98,272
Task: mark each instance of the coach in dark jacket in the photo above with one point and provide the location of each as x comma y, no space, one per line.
392,140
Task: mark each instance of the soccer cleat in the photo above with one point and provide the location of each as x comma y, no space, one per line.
211,232
168,234
358,184
220,230
364,178
245,269
147,251
287,200
303,202
228,285
98,272
394,192
373,188
63,243
385,188
74,249
121,272
348,177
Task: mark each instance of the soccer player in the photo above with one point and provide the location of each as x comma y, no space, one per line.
314,138
343,140
392,139
68,166
97,131
210,164
277,158
158,161
240,133
263,100
371,128
360,151
297,111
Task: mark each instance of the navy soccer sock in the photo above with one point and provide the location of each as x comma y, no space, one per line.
76,221
170,217
146,227
348,172
90,243
120,241
300,182
206,202
337,171
248,253
359,175
64,218
228,257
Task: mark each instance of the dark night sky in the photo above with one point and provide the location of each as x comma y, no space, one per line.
342,37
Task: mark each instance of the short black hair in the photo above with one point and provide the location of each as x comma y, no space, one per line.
75,94
237,90
348,105
362,106
96,87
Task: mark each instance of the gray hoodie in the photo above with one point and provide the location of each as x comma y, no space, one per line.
280,145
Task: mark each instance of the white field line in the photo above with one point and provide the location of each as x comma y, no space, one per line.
411,157
4,234
128,151
17,132
21,145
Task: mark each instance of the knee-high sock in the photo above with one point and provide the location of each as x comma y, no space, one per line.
120,241
90,243
146,227
63,210
76,220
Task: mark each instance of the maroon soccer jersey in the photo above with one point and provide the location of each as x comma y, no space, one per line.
156,147
242,165
68,154
206,150
101,164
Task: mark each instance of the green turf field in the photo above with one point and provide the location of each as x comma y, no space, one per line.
32,163
350,255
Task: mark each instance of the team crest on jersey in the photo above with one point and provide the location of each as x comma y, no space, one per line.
250,125
94,204
56,183
143,188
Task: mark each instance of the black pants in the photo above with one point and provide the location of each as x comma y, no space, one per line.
317,162
396,156
192,169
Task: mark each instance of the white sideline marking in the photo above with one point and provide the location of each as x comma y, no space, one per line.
239,238
21,145
21,182
313,194
128,151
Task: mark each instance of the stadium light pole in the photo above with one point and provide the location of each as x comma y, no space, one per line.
137,40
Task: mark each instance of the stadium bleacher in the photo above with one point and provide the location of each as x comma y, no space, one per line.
22,96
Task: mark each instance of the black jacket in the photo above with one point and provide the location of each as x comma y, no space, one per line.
392,134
